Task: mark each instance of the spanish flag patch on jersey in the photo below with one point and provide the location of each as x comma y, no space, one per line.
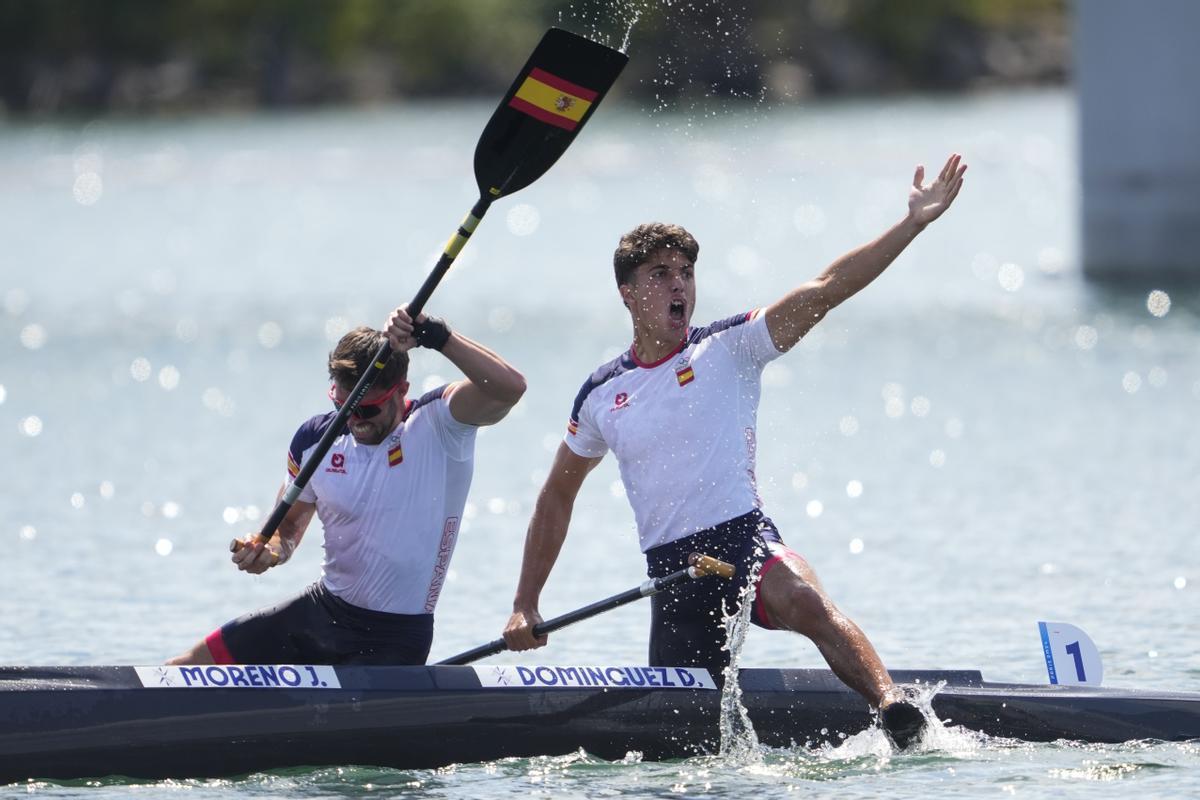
395,455
685,375
293,467
552,100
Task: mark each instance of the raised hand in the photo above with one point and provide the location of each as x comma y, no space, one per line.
927,203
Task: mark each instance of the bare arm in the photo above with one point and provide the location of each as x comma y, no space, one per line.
256,556
794,315
543,542
492,385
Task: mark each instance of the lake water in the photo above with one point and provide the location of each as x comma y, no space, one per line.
978,441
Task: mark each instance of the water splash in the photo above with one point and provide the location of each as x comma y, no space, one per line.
739,742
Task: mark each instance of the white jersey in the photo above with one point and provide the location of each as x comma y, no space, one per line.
682,429
391,511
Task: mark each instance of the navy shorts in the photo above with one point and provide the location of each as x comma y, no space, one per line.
318,627
686,622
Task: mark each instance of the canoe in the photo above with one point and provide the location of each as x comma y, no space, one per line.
174,722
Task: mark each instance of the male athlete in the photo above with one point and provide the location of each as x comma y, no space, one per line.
390,493
679,411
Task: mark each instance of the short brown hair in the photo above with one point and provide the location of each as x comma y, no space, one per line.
354,354
644,241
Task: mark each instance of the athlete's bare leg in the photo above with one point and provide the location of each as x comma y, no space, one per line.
200,654
795,601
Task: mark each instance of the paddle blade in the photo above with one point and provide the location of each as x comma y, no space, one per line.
548,104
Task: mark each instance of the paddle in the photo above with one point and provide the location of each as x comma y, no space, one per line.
700,566
554,95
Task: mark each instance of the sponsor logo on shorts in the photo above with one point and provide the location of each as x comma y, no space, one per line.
594,677
246,676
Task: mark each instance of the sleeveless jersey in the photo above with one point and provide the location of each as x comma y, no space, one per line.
391,511
682,429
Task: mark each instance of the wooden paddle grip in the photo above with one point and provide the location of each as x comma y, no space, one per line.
707,565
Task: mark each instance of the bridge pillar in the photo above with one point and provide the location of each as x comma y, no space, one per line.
1137,71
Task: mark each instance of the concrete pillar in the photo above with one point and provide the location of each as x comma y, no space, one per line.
1137,72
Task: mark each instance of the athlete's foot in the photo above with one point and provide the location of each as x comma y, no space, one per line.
903,723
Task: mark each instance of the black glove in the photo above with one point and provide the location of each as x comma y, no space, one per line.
432,333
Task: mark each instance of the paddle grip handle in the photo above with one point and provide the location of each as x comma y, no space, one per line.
707,565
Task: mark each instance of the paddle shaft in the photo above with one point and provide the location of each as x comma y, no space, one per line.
555,93
292,493
649,587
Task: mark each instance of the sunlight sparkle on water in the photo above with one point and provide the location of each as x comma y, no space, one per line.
523,219
88,188
168,378
140,369
1011,277
1158,303
33,336
270,334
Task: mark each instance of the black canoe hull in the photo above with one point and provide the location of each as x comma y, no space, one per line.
64,723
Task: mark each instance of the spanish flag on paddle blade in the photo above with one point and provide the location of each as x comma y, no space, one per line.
553,97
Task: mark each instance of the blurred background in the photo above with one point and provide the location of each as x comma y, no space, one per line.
139,56
198,197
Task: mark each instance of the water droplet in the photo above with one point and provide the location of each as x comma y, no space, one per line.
954,427
617,489
231,515
848,425
1086,337
920,406
336,328
1157,377
170,509
16,301
77,500
33,336
496,505
30,426
1180,582
28,533
3,394
1131,382
799,480
854,489
814,508
856,546
251,513
107,490
163,547
937,458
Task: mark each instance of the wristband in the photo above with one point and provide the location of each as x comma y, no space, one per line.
432,333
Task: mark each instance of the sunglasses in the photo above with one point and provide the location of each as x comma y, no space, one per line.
365,409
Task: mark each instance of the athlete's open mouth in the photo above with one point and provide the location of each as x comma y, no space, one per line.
677,310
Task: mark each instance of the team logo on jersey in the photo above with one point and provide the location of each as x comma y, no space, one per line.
337,463
395,455
685,375
573,427
620,401
293,467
